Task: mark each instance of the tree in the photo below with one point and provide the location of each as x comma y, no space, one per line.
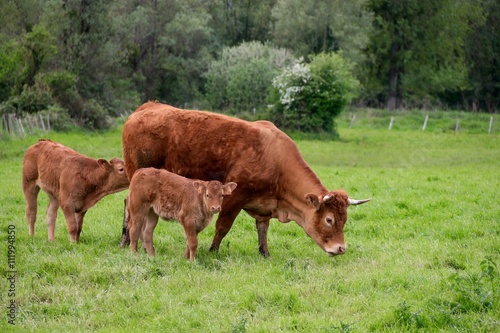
82,29
307,97
10,68
38,49
416,49
235,22
309,27
483,59
164,47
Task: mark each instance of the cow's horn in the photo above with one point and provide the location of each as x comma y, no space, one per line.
357,202
327,198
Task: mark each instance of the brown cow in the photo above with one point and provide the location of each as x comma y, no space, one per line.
193,203
73,181
273,179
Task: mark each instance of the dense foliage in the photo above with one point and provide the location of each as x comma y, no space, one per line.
95,59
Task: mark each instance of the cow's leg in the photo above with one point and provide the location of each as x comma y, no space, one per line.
126,217
192,239
69,215
31,191
79,220
147,232
262,225
52,217
224,223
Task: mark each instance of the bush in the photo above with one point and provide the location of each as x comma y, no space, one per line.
62,85
242,78
95,117
31,100
307,97
89,114
59,119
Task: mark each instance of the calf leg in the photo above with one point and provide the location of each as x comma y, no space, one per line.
192,240
69,214
52,217
147,232
79,221
134,230
31,191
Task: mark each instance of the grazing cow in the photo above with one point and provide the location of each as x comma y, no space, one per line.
193,203
273,179
73,181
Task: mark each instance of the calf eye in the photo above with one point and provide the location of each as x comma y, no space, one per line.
329,220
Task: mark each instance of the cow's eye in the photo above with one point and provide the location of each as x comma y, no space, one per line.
329,220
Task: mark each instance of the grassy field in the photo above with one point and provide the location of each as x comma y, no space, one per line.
423,255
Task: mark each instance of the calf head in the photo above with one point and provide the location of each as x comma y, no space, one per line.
325,224
116,175
213,193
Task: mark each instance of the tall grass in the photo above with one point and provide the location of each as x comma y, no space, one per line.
422,255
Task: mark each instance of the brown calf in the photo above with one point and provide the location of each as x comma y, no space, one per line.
155,192
72,181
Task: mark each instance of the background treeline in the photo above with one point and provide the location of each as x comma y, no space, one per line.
84,61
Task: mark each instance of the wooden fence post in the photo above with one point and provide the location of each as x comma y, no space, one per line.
352,120
425,122
390,123
491,124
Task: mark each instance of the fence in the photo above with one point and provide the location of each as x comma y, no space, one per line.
471,123
13,125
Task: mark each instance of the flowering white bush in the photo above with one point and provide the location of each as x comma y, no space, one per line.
291,82
307,96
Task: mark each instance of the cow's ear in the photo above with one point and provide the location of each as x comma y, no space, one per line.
199,186
103,163
313,200
229,188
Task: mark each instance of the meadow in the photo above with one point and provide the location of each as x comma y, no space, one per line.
422,256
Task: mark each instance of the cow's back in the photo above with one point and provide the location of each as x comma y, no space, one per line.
44,162
202,145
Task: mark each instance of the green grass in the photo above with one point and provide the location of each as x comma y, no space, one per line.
422,255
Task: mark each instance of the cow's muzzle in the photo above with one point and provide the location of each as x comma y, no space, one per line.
336,250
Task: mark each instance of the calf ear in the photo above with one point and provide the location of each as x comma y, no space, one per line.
103,163
313,200
229,188
199,186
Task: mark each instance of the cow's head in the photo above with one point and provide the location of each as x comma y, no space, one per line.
116,175
325,224
213,193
